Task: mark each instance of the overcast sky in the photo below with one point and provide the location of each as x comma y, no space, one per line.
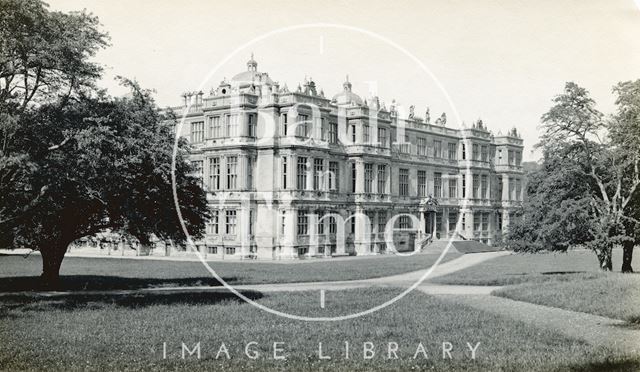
499,60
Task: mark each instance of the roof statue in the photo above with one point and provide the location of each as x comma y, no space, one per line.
427,117
412,113
442,120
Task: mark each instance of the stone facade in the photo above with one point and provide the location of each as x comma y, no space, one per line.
274,161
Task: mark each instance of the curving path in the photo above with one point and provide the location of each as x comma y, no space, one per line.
596,330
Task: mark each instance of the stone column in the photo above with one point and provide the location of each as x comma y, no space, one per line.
374,186
423,222
468,224
293,171
359,176
242,227
242,174
309,173
290,231
361,236
505,187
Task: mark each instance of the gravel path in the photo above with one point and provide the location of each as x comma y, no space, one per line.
594,329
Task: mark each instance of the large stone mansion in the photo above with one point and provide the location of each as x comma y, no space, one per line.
275,162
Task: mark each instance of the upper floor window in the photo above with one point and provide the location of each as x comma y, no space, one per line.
214,173
476,186
511,157
284,124
475,155
333,175
518,158
382,137
251,122
284,172
484,153
437,149
484,186
368,177
333,132
382,179
231,125
464,151
232,172
197,131
302,173
318,171
303,128
453,186
365,134
422,183
437,185
353,177
403,178
422,146
464,186
215,127
452,151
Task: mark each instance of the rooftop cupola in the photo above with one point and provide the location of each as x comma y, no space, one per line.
252,65
347,85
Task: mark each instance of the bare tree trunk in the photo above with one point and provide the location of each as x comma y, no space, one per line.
627,255
52,257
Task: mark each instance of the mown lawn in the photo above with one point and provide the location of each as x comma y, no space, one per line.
19,273
76,332
613,295
532,268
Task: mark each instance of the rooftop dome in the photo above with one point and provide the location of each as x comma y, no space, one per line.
252,75
347,96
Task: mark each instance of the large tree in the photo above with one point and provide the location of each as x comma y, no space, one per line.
75,161
586,190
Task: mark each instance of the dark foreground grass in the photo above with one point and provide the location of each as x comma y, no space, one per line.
72,333
531,268
19,273
613,295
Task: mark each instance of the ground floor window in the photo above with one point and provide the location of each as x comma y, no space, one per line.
382,247
303,251
453,221
212,250
230,250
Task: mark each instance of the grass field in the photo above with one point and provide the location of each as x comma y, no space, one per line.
84,333
613,295
532,268
20,273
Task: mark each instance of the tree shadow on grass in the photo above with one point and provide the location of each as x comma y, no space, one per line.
25,302
626,365
104,282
